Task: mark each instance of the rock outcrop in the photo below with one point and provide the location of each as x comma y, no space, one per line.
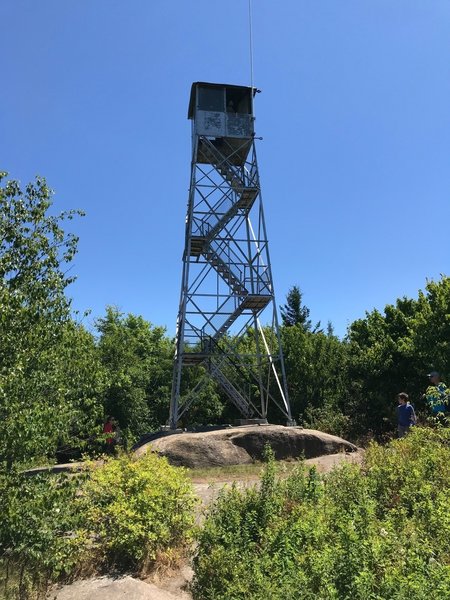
107,588
243,445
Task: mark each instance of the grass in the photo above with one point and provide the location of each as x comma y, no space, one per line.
252,471
227,473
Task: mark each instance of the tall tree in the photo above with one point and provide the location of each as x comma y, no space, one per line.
138,358
316,371
37,406
330,329
295,313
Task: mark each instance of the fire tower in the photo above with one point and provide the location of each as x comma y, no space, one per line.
227,319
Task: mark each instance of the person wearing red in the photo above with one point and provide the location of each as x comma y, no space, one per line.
108,428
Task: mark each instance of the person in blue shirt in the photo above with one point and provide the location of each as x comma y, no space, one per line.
405,414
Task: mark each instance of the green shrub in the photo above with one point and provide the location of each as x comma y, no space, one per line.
377,532
127,513
327,418
138,509
41,533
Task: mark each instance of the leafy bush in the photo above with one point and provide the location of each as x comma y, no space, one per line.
380,531
327,418
137,510
51,381
41,532
125,514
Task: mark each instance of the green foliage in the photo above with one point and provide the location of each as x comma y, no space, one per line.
348,387
392,352
83,379
377,532
138,358
293,313
380,533
328,417
124,514
137,509
38,405
317,378
209,407
431,332
42,537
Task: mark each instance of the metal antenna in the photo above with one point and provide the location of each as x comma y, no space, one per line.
250,24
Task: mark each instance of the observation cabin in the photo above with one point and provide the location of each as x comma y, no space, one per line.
223,114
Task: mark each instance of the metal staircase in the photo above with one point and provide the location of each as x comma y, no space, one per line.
243,188
225,272
238,398
253,304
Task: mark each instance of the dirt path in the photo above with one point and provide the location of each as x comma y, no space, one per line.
208,491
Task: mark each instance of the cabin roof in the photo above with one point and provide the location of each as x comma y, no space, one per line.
212,85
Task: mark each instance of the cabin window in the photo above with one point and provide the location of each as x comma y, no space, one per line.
211,99
238,101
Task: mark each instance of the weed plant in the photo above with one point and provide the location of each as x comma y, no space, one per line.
371,532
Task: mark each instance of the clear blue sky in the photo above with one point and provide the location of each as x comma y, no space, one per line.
354,112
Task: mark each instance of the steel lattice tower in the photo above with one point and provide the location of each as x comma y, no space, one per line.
227,280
